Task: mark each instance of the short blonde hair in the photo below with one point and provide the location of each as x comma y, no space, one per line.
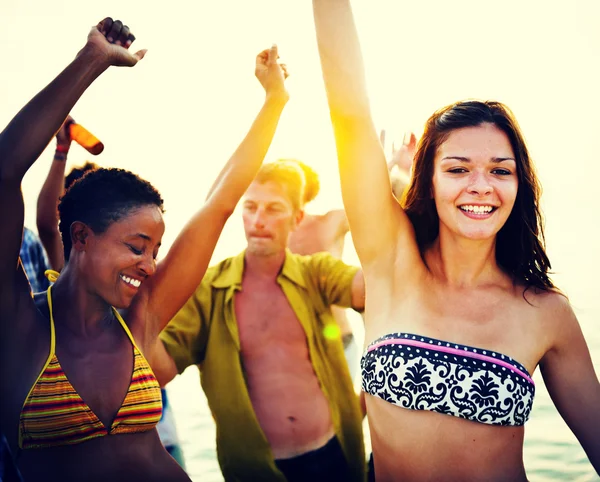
291,174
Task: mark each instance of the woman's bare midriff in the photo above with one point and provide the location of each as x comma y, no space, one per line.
128,458
425,446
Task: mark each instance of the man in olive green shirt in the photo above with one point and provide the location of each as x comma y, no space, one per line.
269,351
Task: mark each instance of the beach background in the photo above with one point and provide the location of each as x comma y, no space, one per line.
177,116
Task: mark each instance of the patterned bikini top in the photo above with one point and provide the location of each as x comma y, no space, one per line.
54,414
421,373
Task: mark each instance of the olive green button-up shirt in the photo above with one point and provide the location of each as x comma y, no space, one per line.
205,333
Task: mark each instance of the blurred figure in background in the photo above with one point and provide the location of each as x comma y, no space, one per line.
270,355
34,259
54,187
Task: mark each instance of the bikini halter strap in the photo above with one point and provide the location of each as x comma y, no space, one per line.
51,275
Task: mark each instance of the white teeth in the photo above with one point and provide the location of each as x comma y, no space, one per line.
133,282
477,209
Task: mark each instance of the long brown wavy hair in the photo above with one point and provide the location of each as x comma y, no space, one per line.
520,244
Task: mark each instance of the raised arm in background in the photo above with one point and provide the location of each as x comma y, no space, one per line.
47,202
180,273
400,163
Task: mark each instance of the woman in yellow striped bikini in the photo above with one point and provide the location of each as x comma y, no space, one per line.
78,399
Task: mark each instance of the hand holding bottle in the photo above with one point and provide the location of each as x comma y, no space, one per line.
72,131
85,138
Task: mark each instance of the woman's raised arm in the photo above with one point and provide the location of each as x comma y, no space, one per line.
377,222
30,131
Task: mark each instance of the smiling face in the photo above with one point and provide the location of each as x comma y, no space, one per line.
118,260
474,182
269,218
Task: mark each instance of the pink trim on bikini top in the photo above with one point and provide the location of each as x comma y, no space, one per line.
452,351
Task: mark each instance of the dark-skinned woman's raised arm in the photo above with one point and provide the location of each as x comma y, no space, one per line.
30,131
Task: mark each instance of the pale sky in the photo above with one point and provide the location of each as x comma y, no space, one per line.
177,116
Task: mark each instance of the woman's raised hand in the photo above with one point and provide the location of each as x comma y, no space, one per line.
404,156
110,41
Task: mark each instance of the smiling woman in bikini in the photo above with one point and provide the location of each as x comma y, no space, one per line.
78,398
460,309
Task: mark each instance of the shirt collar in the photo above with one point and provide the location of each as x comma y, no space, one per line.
232,274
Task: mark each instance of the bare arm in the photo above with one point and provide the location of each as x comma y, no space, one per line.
236,176
341,221
358,292
572,382
361,159
400,182
401,164
404,156
47,202
26,136
180,273
162,363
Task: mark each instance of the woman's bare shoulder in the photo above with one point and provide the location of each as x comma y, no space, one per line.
547,299
554,310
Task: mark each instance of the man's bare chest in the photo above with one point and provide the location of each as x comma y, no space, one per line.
265,316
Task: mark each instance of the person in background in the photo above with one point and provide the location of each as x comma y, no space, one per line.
167,430
34,260
400,163
55,185
260,329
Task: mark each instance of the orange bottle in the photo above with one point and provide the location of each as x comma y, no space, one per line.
86,139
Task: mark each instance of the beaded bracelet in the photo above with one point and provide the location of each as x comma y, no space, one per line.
60,156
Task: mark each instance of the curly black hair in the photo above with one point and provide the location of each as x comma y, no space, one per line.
78,172
102,197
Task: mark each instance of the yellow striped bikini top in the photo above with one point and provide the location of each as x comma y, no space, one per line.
54,414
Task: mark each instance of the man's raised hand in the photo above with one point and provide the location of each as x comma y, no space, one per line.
271,74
